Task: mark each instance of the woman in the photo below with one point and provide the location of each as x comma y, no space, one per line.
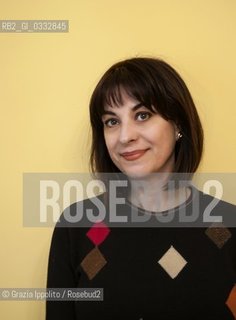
145,128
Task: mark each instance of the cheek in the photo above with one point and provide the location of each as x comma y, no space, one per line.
162,133
163,137
169,131
109,143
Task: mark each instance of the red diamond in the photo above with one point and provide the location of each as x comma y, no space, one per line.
98,233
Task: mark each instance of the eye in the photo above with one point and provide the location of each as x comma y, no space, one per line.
142,116
111,122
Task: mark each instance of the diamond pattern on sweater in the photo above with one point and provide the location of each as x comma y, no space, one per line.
98,233
93,263
231,301
219,234
172,262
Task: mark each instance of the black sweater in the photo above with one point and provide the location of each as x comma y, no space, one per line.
146,272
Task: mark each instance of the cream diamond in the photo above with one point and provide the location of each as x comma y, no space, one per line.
172,262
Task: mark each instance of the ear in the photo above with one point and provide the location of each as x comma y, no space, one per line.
178,133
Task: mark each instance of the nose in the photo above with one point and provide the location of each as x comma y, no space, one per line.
128,132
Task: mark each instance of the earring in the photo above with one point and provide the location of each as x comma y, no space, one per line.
179,135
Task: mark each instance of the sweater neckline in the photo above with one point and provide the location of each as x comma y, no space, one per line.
185,204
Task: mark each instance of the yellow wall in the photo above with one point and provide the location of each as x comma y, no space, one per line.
46,81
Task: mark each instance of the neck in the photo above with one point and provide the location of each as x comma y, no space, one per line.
156,194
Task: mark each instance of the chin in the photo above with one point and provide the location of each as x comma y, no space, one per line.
137,174
147,173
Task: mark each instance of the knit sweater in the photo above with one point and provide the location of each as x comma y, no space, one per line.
160,272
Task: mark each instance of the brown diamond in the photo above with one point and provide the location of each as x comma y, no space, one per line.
93,263
219,234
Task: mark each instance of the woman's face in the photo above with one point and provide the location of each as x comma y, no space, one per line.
139,142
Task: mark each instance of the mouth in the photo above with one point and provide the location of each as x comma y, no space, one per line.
133,155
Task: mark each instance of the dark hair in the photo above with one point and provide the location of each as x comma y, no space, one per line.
159,87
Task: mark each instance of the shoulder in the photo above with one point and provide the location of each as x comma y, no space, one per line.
215,210
78,218
78,227
216,203
83,213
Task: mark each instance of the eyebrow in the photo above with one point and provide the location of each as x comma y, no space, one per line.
134,108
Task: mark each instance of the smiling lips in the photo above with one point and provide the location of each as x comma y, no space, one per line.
134,155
